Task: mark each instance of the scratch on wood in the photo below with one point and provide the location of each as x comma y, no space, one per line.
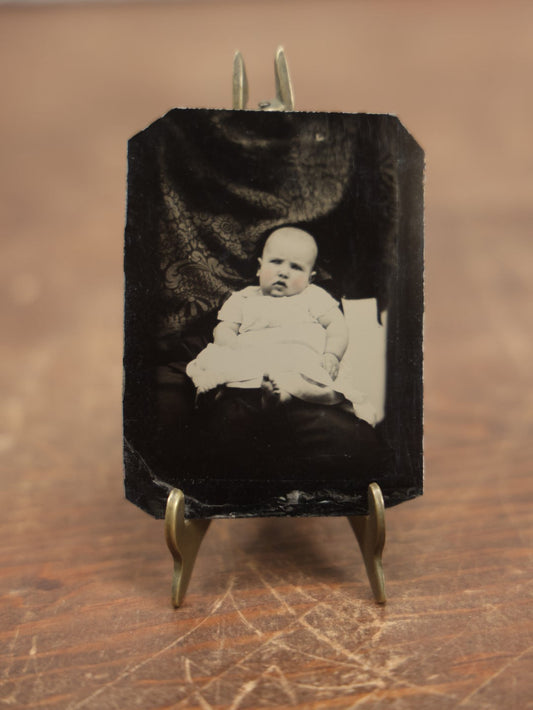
246,689
314,656
494,675
33,649
129,671
270,641
283,683
188,676
271,589
203,702
31,654
11,648
354,662
328,641
243,618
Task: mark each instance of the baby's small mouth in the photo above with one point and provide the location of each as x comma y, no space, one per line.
280,283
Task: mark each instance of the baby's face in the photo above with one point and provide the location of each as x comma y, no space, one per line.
286,267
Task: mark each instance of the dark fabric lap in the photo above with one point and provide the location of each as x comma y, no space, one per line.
297,441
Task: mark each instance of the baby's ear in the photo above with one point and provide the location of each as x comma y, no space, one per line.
312,276
260,265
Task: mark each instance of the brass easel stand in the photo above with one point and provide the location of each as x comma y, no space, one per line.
370,533
184,537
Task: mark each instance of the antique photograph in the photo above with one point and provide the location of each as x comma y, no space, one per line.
267,387
273,313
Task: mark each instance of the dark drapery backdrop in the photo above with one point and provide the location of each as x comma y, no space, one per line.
221,181
206,187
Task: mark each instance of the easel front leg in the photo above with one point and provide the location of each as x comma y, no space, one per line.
370,533
184,538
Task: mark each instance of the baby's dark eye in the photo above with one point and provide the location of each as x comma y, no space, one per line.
275,261
296,267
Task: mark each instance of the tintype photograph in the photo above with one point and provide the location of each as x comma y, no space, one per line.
273,313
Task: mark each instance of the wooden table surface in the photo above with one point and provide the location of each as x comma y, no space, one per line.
279,612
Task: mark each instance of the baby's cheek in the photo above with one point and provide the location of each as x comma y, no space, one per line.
300,281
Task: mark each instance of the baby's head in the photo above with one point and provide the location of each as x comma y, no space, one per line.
286,266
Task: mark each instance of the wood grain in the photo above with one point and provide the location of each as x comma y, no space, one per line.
279,613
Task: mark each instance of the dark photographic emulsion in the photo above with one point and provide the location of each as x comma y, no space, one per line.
273,313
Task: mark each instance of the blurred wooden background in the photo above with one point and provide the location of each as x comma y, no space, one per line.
279,613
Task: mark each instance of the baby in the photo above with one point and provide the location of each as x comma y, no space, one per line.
285,336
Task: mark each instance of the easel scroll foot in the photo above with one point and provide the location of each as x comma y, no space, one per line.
183,538
370,533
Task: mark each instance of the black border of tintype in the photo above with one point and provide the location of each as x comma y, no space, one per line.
402,427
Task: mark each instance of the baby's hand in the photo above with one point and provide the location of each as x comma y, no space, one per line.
330,363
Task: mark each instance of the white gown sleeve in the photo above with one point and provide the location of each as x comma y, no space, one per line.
231,310
320,301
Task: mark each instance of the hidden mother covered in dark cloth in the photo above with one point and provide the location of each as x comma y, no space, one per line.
273,329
